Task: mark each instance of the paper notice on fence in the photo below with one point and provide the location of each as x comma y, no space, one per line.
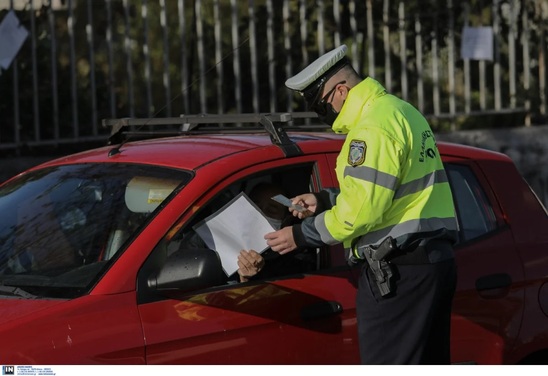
238,225
477,43
12,36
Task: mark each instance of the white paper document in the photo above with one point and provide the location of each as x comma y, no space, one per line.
12,36
238,225
477,43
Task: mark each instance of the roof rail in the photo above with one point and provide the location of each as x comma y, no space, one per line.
211,123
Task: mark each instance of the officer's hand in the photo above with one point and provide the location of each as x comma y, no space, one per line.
249,263
307,201
352,260
281,241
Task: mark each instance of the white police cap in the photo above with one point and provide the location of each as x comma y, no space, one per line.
317,70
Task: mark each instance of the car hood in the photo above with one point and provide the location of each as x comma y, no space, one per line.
16,309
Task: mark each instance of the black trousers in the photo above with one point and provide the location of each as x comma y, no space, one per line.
412,324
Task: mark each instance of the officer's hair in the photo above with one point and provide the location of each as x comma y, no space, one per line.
348,74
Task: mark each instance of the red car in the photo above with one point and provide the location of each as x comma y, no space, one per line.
97,264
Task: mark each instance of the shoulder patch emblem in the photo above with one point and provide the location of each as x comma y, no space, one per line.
356,153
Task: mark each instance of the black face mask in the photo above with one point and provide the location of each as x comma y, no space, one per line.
329,115
324,108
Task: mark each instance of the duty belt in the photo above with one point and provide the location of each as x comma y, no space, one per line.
434,251
382,258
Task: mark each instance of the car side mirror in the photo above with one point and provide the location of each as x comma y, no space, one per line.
188,270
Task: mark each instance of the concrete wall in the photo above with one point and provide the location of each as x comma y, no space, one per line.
527,146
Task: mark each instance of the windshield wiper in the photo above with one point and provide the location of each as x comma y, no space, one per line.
17,292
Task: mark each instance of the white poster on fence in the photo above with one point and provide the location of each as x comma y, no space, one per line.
12,37
477,43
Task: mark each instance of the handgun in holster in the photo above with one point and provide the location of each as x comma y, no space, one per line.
377,258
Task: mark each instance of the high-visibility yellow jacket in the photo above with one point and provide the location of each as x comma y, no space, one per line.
391,178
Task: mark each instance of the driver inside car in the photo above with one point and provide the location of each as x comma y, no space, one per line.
252,264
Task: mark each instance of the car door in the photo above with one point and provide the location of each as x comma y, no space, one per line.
488,305
303,318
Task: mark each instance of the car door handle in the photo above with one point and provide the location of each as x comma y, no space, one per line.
321,310
494,285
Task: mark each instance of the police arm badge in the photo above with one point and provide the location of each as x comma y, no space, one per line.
356,153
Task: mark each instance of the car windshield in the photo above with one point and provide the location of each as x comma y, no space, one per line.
60,227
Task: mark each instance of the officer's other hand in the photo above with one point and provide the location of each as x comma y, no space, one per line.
249,263
281,241
352,260
307,201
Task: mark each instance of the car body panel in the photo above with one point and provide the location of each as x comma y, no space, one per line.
499,313
74,332
237,325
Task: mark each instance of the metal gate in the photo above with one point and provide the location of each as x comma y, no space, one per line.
85,60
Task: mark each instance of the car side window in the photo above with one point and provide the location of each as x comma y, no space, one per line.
259,188
474,211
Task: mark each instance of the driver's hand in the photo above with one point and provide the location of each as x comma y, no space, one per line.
249,264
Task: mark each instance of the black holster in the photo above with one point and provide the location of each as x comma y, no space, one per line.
377,259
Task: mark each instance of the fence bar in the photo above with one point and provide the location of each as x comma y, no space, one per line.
91,43
496,67
201,54
386,40
16,114
166,75
129,60
271,56
435,69
236,56
483,84
146,54
542,61
184,60
110,41
370,39
303,31
483,78
451,61
355,33
74,93
403,50
512,52
321,27
35,96
287,48
419,65
526,56
337,18
466,66
54,88
218,56
253,54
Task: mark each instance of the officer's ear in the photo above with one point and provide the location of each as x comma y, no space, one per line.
342,90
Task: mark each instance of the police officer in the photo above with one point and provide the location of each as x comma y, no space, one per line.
392,186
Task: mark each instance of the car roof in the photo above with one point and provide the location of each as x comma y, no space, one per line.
192,151
450,149
198,140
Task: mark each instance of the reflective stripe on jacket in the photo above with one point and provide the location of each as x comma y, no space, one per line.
391,178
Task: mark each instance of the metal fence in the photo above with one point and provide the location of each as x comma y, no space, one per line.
85,60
